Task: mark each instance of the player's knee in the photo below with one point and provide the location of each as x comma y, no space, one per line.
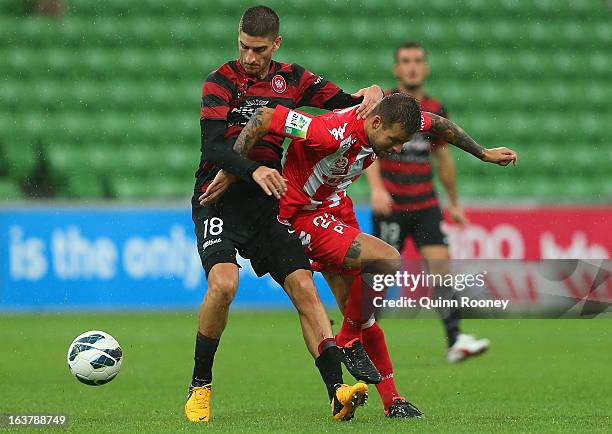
389,260
392,253
222,289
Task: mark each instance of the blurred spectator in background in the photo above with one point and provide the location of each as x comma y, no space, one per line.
404,202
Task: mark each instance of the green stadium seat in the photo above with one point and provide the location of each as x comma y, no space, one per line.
9,190
66,159
178,160
9,28
151,188
87,186
114,87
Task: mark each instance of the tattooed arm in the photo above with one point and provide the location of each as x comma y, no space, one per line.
452,133
255,129
270,181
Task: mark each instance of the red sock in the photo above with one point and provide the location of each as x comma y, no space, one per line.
351,326
374,343
348,332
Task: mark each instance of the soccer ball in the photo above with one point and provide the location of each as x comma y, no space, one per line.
94,358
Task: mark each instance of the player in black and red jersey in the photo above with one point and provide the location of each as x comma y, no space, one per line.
404,202
245,219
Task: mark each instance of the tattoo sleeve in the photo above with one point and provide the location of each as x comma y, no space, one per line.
255,129
454,134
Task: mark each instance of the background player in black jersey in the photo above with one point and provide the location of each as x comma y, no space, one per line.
404,203
245,218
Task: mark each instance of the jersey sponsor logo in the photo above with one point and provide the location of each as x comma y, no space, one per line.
247,108
318,80
257,102
422,122
347,143
297,124
338,133
279,85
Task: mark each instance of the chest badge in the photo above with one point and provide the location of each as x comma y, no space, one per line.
279,85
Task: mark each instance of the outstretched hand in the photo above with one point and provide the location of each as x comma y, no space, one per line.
502,156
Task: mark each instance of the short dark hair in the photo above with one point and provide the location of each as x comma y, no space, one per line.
406,45
260,21
400,108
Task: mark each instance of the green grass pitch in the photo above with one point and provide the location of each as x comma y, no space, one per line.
539,376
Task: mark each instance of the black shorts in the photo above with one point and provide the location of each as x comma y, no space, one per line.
423,226
246,220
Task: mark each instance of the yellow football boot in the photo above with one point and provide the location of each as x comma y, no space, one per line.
347,399
197,408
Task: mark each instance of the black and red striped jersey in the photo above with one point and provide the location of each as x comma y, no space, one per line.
408,176
229,94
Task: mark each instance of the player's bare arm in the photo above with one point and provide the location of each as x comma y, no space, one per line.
254,130
381,200
447,174
270,181
455,135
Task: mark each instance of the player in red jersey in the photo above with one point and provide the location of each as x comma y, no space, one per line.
245,219
327,154
404,202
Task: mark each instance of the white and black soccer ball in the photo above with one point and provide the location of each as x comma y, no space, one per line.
95,358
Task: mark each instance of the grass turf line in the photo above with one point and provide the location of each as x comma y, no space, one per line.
539,376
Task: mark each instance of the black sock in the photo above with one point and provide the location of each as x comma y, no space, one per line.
205,349
450,316
451,325
329,366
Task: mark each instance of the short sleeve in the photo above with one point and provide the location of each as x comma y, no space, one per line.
290,123
216,96
425,122
313,90
444,113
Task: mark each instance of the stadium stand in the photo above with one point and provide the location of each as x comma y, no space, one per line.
104,102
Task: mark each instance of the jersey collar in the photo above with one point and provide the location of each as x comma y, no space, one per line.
273,68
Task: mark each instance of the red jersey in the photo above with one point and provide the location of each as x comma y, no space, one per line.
408,176
328,152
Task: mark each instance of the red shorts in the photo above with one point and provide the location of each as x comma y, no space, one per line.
327,236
